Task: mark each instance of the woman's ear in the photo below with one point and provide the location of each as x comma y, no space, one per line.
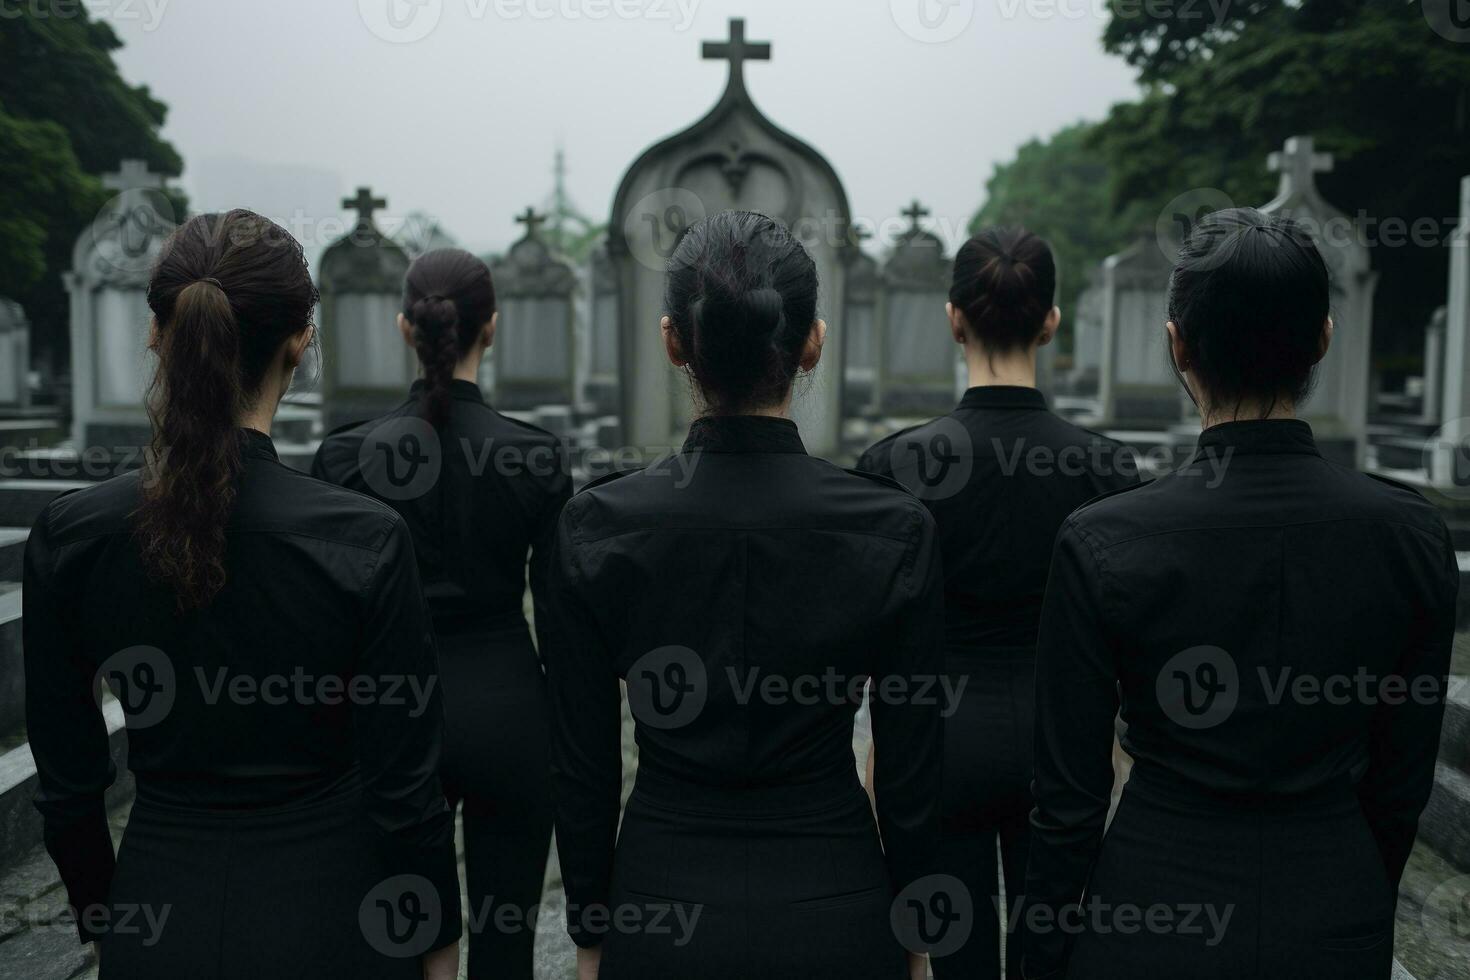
406,329
1050,326
488,334
1326,340
956,323
811,353
297,346
672,347
1176,347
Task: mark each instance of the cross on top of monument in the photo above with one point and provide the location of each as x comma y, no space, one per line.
532,221
1299,164
737,51
133,175
916,212
364,204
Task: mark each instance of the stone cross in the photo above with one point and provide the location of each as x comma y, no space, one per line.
1299,164
133,175
916,212
737,51
364,204
532,221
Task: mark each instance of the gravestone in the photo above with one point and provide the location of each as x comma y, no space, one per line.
532,362
1137,388
600,381
15,357
1433,374
860,372
1338,406
1087,335
732,159
917,355
108,295
1449,461
366,367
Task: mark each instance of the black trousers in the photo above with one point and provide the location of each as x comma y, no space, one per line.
1186,886
750,885
497,763
986,801
240,895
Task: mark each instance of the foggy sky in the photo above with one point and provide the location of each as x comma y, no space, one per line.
463,122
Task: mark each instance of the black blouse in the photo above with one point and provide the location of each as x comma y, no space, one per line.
1273,626
312,672
1000,474
749,558
477,496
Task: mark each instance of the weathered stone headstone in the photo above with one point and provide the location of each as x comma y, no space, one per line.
1433,373
1338,407
366,366
600,381
532,362
860,372
110,319
1449,460
733,159
1086,323
917,372
1137,388
15,357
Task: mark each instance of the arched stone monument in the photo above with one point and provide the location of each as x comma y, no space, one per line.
918,360
860,331
108,289
366,366
533,362
732,159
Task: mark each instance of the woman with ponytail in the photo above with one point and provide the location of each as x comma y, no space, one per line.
481,493
745,593
259,630
1000,474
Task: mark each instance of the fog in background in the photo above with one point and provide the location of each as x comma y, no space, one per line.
456,107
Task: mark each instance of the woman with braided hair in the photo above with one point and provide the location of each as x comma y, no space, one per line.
480,492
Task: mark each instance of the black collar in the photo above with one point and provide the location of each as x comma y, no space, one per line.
743,434
1003,396
460,390
1259,437
257,445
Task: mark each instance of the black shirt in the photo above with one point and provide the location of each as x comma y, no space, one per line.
477,495
1234,607
750,559
311,671
1000,473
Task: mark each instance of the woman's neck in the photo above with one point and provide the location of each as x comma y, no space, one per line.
1015,368
1251,412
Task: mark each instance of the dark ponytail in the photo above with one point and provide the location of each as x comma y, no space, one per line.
448,297
227,292
742,298
1005,283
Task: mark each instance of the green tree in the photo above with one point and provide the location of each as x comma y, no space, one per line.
66,117
1059,189
1371,81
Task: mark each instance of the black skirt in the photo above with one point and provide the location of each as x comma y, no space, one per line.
284,893
1188,886
742,885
